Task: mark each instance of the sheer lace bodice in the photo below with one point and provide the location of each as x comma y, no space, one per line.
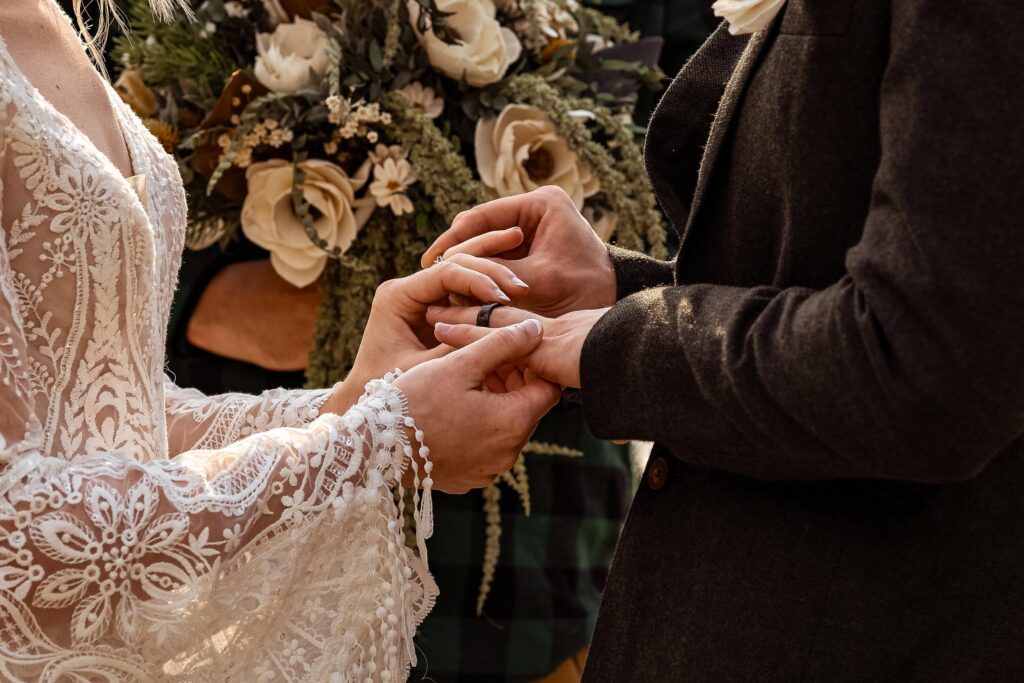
148,531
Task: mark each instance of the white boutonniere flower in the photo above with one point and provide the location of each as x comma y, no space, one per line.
747,16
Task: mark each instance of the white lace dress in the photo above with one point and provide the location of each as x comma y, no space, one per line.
150,532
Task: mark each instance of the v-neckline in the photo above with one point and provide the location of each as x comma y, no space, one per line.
63,119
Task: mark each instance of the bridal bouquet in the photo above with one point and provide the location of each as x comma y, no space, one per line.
343,136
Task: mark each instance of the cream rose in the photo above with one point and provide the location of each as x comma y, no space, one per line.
289,54
520,150
269,222
747,16
485,48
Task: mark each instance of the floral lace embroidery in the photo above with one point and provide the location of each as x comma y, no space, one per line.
150,532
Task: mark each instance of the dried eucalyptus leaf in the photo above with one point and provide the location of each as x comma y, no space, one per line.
376,55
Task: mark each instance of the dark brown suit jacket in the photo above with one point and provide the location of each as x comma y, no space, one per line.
833,367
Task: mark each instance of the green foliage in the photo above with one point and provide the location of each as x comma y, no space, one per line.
170,53
606,27
348,292
443,171
389,246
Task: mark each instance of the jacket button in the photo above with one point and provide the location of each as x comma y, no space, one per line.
657,475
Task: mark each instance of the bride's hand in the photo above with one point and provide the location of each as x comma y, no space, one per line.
474,434
397,334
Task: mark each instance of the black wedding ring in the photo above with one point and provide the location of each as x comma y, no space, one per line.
483,316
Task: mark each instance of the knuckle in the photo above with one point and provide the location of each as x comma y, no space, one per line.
553,192
474,368
482,279
386,290
448,268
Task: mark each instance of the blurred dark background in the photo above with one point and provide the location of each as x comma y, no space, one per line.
684,24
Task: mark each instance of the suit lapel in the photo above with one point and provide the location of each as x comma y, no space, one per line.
679,127
727,108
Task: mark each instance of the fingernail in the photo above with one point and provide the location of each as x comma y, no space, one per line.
435,310
519,282
532,327
442,327
503,296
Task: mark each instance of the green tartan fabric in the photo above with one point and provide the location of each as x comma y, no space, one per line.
544,599
551,572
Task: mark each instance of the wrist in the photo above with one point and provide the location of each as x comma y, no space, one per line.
414,462
588,284
608,288
597,280
345,395
581,331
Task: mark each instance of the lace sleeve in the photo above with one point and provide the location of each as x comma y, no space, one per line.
277,557
196,421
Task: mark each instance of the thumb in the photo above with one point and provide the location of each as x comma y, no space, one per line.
501,347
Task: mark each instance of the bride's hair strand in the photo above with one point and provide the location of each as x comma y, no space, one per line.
107,13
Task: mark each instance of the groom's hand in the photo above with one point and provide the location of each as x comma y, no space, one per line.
557,357
545,241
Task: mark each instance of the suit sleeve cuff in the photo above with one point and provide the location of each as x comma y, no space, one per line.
651,368
635,272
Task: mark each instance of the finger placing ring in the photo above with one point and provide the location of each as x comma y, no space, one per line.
483,316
